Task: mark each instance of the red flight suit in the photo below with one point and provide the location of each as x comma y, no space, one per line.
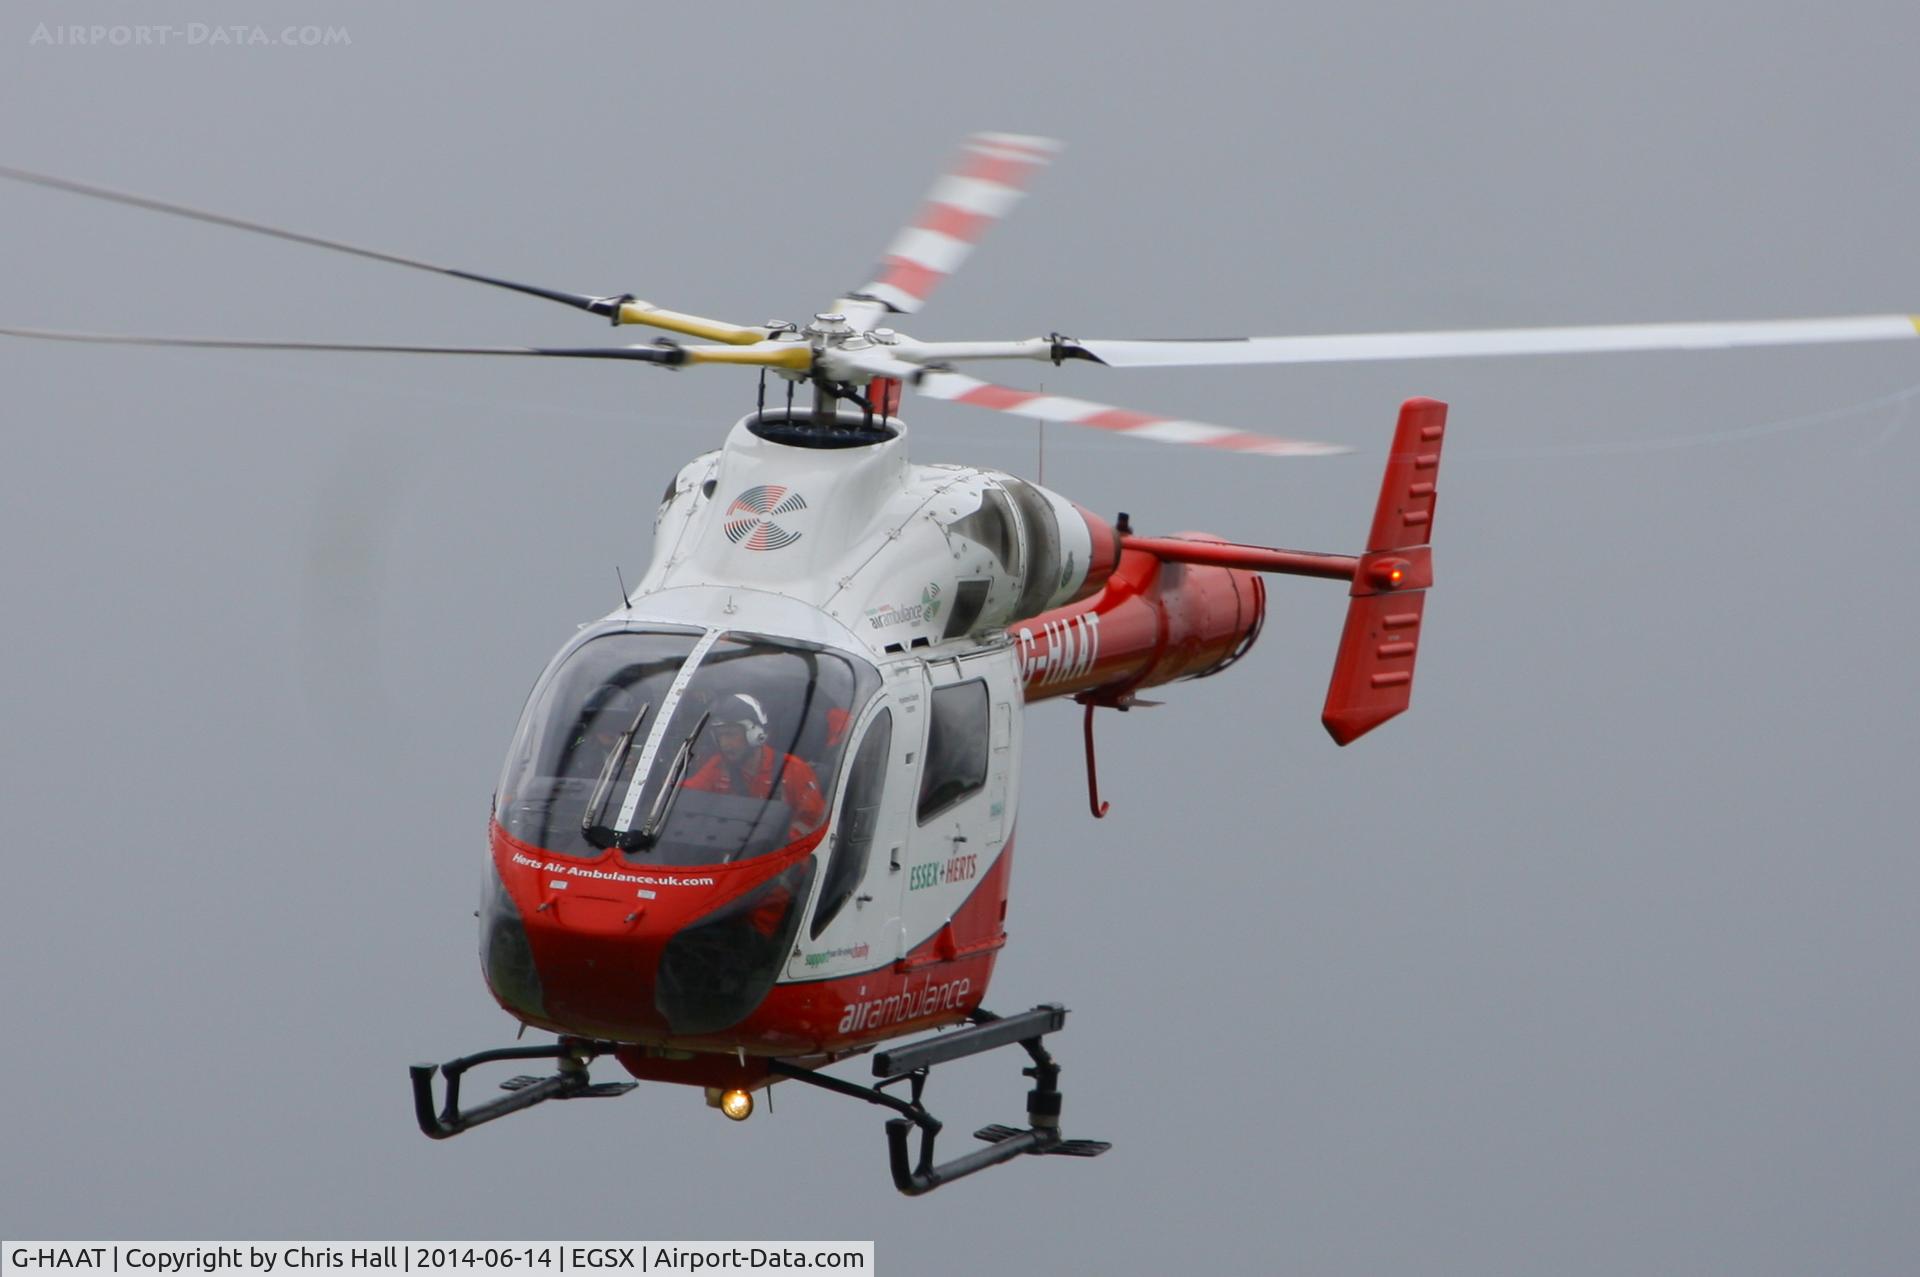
799,787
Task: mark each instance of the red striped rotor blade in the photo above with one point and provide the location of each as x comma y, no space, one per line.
988,178
957,388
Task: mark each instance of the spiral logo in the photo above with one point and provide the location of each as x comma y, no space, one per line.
750,519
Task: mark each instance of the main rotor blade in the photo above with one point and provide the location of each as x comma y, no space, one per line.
952,386
988,178
607,306
671,355
1361,347
622,309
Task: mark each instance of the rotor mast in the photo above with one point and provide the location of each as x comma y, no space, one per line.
829,328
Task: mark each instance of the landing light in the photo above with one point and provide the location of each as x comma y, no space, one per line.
737,1104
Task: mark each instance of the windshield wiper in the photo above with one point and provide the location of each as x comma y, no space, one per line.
594,832
649,831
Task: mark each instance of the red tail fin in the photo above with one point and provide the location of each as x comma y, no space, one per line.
1373,673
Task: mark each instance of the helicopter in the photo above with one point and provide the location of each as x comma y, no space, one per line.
760,819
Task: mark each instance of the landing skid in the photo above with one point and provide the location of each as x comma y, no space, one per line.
912,1063
570,1083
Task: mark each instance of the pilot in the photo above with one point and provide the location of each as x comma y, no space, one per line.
745,764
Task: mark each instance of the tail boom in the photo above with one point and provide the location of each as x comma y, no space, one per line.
1190,605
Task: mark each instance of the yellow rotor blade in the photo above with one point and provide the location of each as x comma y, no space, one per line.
674,321
787,354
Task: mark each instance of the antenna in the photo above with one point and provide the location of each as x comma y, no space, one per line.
1041,422
625,601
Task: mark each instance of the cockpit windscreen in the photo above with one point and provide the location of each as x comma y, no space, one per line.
681,748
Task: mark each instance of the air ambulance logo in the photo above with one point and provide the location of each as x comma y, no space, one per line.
754,518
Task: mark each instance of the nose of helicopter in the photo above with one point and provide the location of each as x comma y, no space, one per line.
612,950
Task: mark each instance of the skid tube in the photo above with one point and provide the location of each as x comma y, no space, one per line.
570,1083
912,1063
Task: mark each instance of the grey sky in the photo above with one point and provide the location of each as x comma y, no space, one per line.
1598,961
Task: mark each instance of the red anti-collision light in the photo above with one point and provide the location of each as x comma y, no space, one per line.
1389,574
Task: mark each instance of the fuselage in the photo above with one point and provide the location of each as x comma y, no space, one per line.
849,881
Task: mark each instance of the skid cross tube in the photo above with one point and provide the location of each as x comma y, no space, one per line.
570,1082
912,1062
988,1032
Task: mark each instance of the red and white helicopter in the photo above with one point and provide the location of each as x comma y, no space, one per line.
760,819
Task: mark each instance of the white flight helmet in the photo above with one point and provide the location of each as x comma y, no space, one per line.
745,711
